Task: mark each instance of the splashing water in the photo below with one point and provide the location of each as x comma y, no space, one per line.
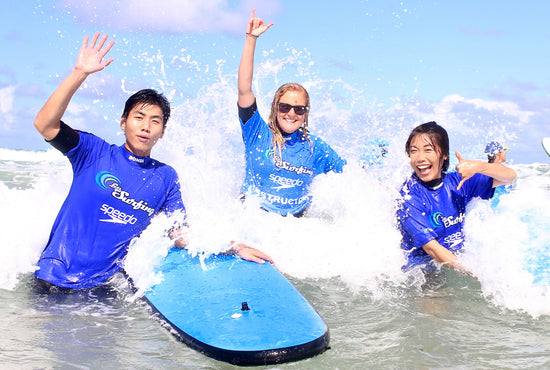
508,246
350,232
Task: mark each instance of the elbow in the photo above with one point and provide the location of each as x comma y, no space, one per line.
514,175
510,176
38,124
48,128
41,128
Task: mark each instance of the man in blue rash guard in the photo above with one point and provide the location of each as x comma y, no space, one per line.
116,190
433,201
282,158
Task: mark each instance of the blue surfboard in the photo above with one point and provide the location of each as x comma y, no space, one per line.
236,311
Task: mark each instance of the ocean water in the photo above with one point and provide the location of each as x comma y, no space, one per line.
344,257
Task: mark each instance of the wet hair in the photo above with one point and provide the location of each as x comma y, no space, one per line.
148,97
438,138
278,135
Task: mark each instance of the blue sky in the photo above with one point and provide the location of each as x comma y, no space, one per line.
490,55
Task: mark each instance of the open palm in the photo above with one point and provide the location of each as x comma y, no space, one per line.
90,57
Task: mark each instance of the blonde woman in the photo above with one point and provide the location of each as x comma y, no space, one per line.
282,158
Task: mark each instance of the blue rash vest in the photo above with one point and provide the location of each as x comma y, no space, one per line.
425,214
112,199
282,185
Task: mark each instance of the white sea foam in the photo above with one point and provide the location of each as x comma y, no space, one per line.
350,233
39,182
508,246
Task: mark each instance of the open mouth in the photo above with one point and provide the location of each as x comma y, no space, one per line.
424,170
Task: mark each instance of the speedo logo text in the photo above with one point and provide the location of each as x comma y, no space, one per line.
285,182
116,216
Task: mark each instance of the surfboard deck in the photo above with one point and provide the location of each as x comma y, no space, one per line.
546,145
236,311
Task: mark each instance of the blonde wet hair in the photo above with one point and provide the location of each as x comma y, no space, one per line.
278,137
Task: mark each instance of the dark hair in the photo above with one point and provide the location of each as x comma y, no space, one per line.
148,97
438,137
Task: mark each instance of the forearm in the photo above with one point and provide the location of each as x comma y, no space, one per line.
439,252
246,71
48,118
497,171
500,173
444,256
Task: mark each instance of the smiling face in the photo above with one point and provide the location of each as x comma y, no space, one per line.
290,122
426,158
143,127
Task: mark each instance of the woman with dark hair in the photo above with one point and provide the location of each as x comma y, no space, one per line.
433,201
282,158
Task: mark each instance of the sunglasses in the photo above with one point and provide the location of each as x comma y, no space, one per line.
298,109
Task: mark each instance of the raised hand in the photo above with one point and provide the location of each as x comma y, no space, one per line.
465,168
256,26
90,57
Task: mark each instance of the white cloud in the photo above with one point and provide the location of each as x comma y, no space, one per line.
503,107
6,99
169,16
77,109
6,105
471,123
